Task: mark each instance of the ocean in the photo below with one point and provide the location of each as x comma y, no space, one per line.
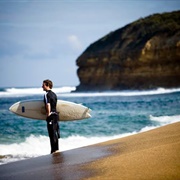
114,115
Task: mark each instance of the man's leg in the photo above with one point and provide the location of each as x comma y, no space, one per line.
55,132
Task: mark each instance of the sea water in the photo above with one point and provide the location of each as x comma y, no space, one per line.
114,115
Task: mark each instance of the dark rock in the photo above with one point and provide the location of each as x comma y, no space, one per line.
142,55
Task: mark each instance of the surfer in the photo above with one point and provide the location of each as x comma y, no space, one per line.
50,100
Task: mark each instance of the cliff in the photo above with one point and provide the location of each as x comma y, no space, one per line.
142,55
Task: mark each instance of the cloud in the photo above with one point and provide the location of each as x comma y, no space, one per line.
75,43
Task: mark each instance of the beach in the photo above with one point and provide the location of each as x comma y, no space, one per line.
154,154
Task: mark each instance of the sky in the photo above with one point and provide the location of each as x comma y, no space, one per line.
41,39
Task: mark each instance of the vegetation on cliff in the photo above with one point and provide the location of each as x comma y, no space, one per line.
142,55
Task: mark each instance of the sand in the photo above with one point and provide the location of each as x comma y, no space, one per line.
152,155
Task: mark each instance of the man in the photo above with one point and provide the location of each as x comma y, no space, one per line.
50,101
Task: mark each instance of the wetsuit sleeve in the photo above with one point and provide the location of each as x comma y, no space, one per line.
46,99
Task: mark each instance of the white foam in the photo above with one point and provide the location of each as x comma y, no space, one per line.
161,121
124,93
35,146
66,91
11,92
165,119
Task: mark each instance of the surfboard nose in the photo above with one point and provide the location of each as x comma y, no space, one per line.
14,107
11,108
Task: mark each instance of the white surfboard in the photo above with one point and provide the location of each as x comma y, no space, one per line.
35,109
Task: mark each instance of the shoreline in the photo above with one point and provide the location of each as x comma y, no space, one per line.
154,154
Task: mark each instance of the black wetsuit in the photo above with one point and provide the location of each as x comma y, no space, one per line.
52,120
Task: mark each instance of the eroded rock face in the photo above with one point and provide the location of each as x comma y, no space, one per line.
142,55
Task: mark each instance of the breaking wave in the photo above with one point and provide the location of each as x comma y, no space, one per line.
67,91
35,146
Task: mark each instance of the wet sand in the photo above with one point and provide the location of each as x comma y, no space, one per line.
150,155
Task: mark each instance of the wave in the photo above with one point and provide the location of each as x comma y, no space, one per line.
34,146
124,93
163,120
66,91
11,92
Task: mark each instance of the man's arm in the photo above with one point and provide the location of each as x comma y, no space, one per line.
48,109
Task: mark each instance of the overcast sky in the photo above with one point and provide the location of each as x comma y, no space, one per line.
42,39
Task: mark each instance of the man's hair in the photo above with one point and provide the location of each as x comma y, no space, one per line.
48,83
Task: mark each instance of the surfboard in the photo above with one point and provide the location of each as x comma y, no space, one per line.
35,109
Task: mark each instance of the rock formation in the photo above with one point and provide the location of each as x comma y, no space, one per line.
142,55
